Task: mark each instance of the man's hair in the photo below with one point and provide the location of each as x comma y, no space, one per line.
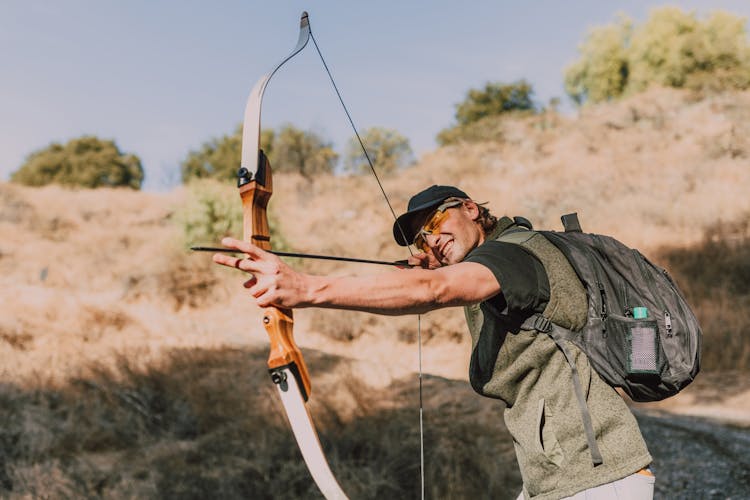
486,220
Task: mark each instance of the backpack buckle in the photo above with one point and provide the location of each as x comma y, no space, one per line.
542,324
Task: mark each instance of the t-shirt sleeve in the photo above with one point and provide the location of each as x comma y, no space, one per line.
523,282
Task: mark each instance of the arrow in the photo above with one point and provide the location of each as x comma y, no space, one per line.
398,263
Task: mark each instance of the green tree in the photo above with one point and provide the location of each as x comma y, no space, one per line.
388,150
289,150
671,48
477,116
676,49
601,72
495,99
301,151
86,161
219,158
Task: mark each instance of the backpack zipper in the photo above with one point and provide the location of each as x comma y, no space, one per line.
603,311
639,259
678,295
628,309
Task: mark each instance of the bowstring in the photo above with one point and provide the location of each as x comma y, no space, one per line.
403,234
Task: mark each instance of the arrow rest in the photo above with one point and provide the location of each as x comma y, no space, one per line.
278,377
245,176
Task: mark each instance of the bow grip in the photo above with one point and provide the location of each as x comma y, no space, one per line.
284,351
256,189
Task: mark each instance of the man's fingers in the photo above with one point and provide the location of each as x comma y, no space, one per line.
269,276
227,260
247,265
251,282
416,259
421,259
258,290
243,246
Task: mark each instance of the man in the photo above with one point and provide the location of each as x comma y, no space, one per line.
502,274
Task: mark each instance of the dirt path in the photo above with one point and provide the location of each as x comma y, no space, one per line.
700,439
697,458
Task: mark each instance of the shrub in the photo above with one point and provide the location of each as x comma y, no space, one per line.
289,150
212,211
477,116
388,150
672,48
87,162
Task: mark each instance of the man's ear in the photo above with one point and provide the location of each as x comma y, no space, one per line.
472,209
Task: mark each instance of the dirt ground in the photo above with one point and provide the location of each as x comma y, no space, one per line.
721,397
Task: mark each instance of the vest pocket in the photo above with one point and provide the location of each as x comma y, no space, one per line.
546,438
539,454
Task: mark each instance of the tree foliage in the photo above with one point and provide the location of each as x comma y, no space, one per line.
602,70
387,148
495,99
671,48
219,158
211,211
86,161
289,150
304,152
477,115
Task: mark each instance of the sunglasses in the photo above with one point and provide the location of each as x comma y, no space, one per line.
433,223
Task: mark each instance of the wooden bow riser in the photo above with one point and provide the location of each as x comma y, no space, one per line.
279,323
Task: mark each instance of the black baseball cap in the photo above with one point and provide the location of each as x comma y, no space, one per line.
418,209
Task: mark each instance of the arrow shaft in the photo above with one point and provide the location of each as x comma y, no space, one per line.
398,263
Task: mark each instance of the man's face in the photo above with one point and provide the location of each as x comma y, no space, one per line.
457,235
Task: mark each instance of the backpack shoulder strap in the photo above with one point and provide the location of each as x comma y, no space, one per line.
561,336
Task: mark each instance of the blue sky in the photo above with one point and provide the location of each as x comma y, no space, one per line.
162,77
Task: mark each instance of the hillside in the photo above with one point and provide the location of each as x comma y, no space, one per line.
87,272
96,284
656,169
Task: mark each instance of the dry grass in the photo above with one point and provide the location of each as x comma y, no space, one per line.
199,424
715,276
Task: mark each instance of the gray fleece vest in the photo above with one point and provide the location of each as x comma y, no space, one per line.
533,378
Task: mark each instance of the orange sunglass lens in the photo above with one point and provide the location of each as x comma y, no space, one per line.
430,227
434,223
420,243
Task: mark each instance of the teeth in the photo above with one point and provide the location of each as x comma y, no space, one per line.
445,247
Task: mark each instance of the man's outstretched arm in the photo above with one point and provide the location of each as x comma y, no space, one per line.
413,291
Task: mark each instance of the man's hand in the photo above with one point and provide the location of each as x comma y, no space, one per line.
272,282
424,260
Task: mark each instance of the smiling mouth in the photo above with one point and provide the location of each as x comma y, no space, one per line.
445,246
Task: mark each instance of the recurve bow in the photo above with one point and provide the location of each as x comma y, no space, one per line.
285,362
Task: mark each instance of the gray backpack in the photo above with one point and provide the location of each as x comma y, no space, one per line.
640,334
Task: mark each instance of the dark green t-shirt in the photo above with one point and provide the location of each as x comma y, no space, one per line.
524,291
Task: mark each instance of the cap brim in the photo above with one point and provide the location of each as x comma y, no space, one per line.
410,221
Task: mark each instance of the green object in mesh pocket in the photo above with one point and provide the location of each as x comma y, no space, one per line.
642,347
